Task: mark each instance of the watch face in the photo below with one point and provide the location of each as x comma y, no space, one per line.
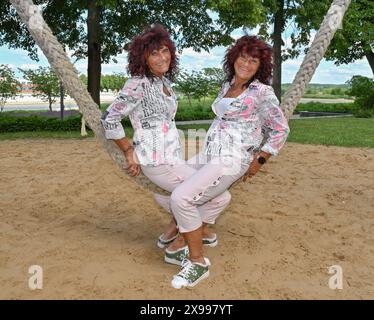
261,160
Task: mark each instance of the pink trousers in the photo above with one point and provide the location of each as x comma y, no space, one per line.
198,188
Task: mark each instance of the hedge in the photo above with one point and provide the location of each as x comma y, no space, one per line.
324,107
39,123
73,123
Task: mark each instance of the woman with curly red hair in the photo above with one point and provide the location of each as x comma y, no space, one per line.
249,128
147,98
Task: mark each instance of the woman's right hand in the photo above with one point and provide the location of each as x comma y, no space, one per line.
133,167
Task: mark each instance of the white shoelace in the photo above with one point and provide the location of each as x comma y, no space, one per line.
185,261
188,268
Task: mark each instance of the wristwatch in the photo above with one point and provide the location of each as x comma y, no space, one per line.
261,160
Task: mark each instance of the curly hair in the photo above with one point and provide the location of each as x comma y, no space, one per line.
256,48
152,38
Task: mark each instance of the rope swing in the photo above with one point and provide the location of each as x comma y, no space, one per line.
67,73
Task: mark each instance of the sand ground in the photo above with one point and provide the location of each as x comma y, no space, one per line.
66,207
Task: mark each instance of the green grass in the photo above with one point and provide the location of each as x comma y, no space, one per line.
347,132
43,135
326,96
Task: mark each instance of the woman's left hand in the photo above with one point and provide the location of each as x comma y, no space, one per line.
255,166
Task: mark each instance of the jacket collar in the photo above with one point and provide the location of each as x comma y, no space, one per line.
254,83
160,81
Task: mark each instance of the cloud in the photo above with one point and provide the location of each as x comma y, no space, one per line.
189,52
10,65
293,62
29,66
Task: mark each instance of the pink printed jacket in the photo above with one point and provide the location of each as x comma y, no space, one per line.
253,116
151,113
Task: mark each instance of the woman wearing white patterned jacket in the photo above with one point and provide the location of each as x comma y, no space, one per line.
150,103
248,129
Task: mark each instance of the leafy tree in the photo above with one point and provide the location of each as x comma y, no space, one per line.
100,29
290,15
202,85
8,85
46,84
362,88
216,77
301,17
113,82
354,41
186,85
83,78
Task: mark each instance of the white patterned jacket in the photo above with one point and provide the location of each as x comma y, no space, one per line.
252,116
151,113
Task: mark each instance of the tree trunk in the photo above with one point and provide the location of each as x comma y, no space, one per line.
94,50
50,103
62,106
277,46
370,56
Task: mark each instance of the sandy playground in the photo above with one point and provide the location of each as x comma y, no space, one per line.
66,207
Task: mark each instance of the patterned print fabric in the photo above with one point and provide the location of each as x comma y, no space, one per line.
251,117
151,113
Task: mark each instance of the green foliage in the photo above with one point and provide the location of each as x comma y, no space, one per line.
186,84
8,84
40,123
200,84
324,91
47,85
362,88
354,41
112,82
216,77
238,14
337,91
37,123
84,79
189,22
324,107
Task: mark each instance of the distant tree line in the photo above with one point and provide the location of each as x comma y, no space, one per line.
189,84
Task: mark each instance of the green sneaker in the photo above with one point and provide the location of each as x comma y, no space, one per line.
162,243
210,242
191,274
177,256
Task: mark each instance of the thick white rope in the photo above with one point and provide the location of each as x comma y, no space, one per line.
65,70
331,23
